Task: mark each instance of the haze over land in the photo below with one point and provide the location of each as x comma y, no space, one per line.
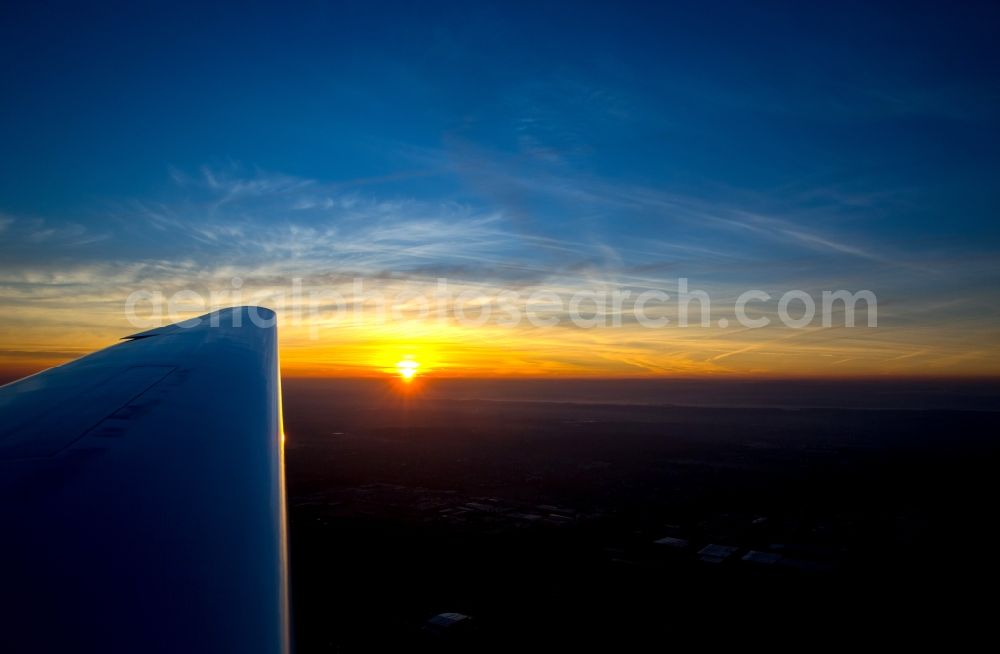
538,511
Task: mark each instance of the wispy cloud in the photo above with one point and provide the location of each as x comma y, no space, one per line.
271,229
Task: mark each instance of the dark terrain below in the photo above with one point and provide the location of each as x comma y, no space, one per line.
534,508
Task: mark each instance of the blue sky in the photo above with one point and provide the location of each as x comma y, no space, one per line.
790,145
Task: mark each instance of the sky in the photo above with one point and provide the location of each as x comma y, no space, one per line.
523,147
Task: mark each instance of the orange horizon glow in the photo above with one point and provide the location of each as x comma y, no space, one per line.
490,363
10,373
407,350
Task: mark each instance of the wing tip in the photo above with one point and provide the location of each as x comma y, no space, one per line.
235,317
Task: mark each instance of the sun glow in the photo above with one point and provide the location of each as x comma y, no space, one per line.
407,368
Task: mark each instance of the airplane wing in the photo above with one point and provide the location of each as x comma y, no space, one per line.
142,504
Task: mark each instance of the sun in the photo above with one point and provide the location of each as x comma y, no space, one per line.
407,368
